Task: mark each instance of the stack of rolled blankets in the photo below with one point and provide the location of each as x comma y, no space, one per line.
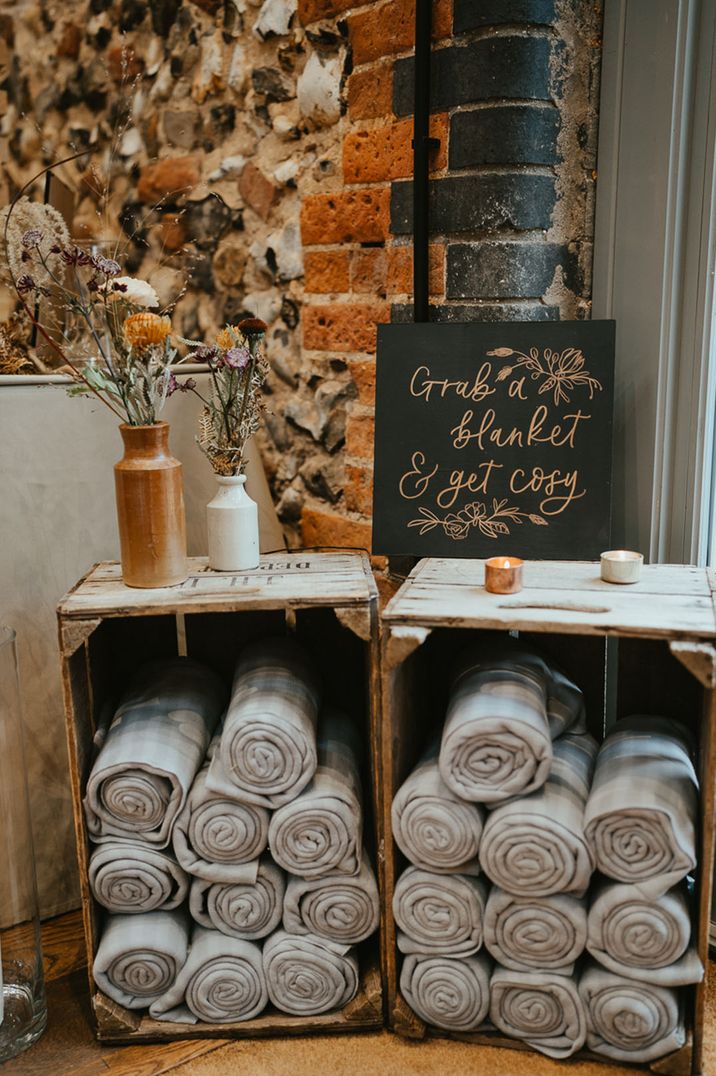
228,847
547,894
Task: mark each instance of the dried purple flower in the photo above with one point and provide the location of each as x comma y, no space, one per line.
31,238
25,284
188,385
171,384
108,266
238,358
119,287
207,353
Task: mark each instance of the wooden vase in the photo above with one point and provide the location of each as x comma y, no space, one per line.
150,509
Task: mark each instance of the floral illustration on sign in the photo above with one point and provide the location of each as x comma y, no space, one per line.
559,371
457,525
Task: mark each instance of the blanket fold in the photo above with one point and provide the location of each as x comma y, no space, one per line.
439,913
535,845
531,933
543,1009
154,747
450,993
630,1021
248,909
140,956
308,975
343,909
129,878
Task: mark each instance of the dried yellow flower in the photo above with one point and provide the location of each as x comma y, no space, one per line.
227,338
141,330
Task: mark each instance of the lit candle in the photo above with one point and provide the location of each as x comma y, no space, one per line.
503,575
621,566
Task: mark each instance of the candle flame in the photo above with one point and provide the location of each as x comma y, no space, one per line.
506,563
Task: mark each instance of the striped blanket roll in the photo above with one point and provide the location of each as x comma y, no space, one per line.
267,751
535,845
321,830
343,909
439,913
222,982
140,956
640,819
628,1020
433,827
308,975
506,706
529,933
129,878
541,1008
248,909
448,992
643,936
154,746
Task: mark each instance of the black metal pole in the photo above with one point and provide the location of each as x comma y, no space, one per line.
421,163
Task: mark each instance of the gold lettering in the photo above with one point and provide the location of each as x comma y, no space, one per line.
422,384
420,484
474,481
516,389
549,484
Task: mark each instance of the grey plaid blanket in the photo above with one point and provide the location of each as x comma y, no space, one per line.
343,909
250,909
641,814
506,706
267,752
439,913
134,877
321,830
140,956
535,845
432,826
222,982
535,933
154,747
450,993
540,1008
630,1021
308,975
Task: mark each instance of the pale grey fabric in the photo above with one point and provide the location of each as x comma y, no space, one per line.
450,993
506,706
250,909
128,878
641,814
439,913
535,933
535,845
321,830
267,751
630,1021
541,1008
343,909
643,936
308,975
222,982
140,956
432,826
154,747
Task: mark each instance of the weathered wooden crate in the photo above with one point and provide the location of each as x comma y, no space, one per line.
107,629
644,648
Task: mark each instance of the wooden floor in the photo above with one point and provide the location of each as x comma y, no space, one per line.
68,1046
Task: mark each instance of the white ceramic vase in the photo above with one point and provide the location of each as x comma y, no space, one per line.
233,527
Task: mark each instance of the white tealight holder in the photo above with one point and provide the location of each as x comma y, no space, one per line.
621,566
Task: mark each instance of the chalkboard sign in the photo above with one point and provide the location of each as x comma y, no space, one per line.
494,438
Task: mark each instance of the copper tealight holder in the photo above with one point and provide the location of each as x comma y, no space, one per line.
503,575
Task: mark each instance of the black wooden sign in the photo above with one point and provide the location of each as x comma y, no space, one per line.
494,438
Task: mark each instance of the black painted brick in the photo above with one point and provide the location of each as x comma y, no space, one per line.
403,312
504,134
473,15
479,203
499,67
506,270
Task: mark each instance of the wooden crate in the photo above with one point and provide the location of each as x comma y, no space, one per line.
644,648
107,629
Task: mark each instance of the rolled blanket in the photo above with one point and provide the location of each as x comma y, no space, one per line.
643,937
342,909
250,909
132,878
505,708
140,956
446,992
439,913
535,845
214,836
309,975
267,752
154,747
222,982
628,1020
641,812
540,1008
321,831
432,826
528,933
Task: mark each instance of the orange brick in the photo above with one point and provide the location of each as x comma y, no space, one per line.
368,268
167,178
363,374
400,270
360,435
347,217
330,529
386,30
370,92
358,490
310,10
343,326
326,270
386,152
